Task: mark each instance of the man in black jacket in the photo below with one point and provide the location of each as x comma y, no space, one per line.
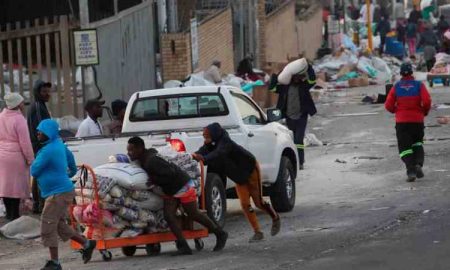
227,158
296,103
177,188
36,113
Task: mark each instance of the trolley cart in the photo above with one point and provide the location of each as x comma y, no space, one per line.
150,242
438,78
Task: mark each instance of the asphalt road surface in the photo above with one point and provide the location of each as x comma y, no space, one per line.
354,208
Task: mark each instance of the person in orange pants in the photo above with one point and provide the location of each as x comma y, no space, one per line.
226,157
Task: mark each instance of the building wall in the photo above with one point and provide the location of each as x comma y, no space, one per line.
215,43
310,34
287,37
281,39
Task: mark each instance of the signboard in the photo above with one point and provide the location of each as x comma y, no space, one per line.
194,43
86,47
333,25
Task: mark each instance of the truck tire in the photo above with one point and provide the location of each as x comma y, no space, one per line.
283,191
215,199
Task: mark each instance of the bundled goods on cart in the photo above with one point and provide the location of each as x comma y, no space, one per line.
120,203
442,65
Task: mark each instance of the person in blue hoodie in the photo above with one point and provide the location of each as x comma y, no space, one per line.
53,167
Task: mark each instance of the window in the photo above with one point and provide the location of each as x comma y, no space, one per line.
250,114
176,107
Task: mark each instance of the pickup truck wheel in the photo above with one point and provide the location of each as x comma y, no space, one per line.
215,198
283,191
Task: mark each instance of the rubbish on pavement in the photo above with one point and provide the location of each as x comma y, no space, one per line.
340,161
379,208
355,114
443,120
311,140
22,228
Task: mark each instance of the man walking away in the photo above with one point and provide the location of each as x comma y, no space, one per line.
36,113
429,42
178,189
410,101
225,157
91,126
295,101
53,167
383,28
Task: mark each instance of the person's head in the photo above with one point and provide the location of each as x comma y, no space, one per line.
94,108
42,91
213,133
14,101
217,63
48,130
118,108
406,69
135,148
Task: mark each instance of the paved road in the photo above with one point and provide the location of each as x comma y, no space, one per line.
358,213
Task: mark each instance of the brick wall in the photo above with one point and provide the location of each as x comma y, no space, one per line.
215,43
262,33
310,34
281,39
176,60
287,37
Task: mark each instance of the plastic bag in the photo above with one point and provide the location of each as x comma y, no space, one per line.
130,233
153,203
116,192
22,228
139,225
130,203
120,223
147,217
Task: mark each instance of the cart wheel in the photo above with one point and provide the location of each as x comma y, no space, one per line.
199,244
153,249
129,251
106,255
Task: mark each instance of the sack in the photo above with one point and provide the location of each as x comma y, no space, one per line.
96,234
132,204
22,228
154,203
116,192
128,176
131,233
128,214
139,225
147,217
120,223
299,66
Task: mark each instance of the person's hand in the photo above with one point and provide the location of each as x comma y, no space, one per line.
198,157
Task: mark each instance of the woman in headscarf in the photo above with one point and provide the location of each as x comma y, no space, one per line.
16,155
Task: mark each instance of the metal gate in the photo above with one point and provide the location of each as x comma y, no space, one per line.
40,50
127,52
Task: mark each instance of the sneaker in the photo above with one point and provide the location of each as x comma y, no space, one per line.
51,265
87,252
183,249
276,226
419,172
258,236
411,176
301,167
222,238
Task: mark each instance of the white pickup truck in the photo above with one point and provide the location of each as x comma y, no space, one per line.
177,116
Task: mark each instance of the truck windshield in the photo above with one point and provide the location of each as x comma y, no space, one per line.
177,107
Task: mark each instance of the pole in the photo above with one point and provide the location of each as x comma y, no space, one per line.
394,15
369,26
241,30
84,23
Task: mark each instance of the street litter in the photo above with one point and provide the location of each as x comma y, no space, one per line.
311,140
22,228
380,208
340,161
426,211
355,114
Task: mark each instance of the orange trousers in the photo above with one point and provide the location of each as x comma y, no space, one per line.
253,189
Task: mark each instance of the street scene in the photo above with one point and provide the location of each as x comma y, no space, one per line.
224,134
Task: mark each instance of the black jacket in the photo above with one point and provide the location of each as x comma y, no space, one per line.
227,158
383,28
307,104
36,113
162,173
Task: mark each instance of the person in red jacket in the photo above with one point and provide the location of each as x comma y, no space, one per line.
410,101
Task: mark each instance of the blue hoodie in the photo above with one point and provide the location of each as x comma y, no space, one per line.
54,163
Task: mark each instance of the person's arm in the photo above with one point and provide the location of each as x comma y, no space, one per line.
71,163
391,101
40,163
222,149
25,141
204,150
426,99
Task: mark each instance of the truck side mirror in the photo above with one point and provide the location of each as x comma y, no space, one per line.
274,115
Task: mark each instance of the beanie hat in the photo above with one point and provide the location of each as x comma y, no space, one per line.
13,100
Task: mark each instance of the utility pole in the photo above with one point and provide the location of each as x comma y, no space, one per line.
84,23
369,26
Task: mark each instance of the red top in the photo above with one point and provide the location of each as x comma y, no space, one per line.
409,100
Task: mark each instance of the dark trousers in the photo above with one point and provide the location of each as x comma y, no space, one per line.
38,202
299,128
410,143
430,64
12,206
383,42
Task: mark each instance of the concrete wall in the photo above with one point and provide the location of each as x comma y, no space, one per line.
215,43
